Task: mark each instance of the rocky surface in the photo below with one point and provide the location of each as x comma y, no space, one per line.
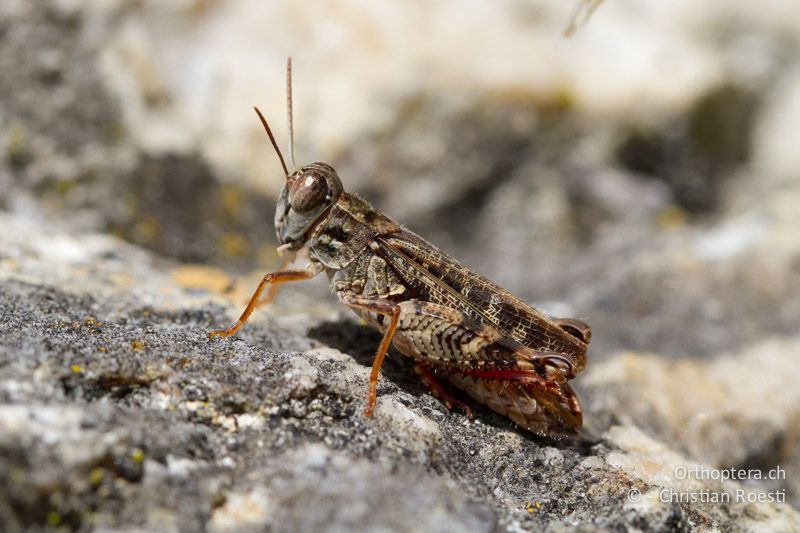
136,198
118,411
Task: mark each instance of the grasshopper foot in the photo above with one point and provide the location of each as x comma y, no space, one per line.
223,333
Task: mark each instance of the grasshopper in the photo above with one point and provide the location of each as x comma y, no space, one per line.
456,325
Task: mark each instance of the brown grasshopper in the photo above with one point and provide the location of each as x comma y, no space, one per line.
454,323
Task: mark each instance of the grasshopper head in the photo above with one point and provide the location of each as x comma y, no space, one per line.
308,193
306,197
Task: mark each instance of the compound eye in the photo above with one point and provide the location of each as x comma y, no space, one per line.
308,192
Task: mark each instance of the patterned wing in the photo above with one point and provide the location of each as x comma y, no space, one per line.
440,279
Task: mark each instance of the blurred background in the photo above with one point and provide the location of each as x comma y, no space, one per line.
642,175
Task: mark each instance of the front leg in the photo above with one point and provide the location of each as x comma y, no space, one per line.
273,279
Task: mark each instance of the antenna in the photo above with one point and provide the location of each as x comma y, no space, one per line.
580,16
289,110
272,140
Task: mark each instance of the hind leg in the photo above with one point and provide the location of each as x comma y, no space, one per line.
527,385
439,390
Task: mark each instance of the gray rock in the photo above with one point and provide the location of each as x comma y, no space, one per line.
118,412
670,225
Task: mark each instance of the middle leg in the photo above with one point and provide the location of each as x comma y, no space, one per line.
385,308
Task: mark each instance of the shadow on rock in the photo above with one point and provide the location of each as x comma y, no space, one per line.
361,342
